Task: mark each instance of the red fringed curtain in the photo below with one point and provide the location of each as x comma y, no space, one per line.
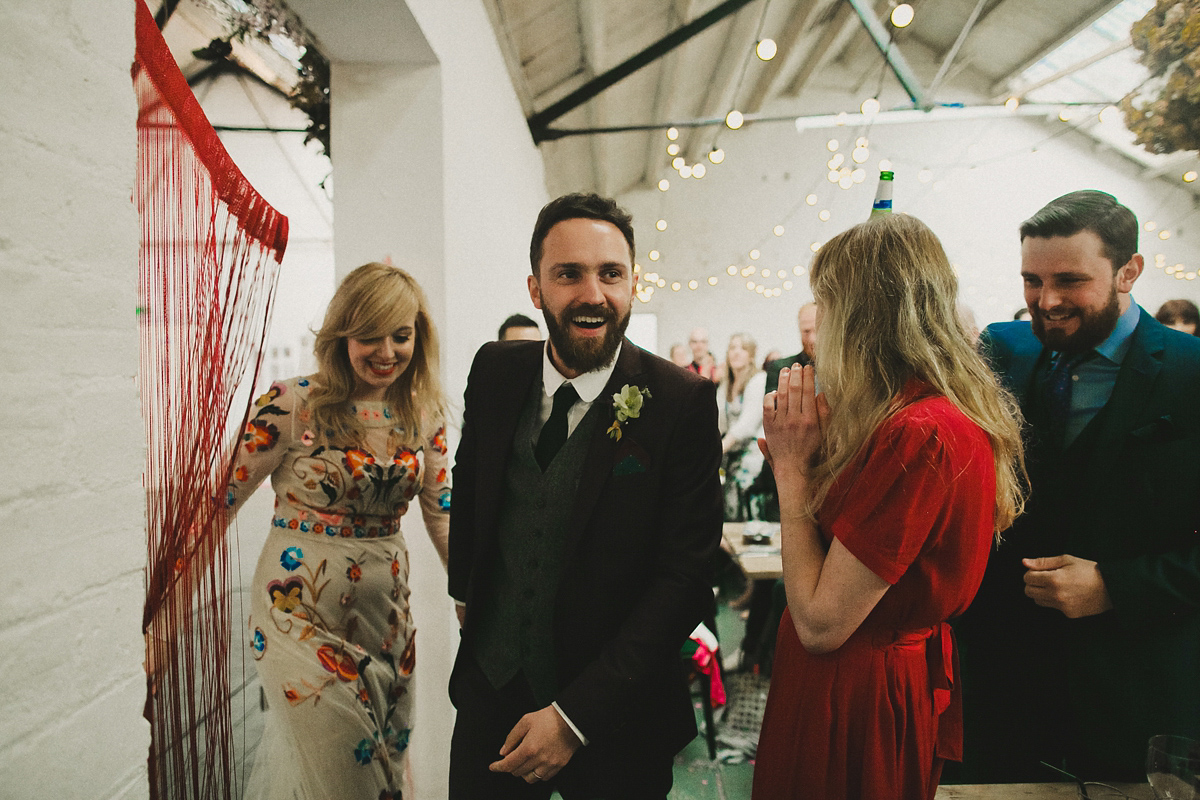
210,254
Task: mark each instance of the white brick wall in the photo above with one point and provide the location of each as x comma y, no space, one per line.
70,484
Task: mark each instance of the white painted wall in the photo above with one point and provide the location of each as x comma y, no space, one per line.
70,490
986,177
434,168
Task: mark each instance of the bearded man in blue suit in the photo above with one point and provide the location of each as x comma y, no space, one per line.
1084,639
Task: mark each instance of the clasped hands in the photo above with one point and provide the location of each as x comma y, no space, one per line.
793,419
537,747
1072,585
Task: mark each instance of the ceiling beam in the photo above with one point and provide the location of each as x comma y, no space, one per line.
1063,35
663,95
591,37
936,83
720,95
540,122
891,53
825,40
793,30
1068,70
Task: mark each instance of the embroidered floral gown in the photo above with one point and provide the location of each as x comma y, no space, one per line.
330,626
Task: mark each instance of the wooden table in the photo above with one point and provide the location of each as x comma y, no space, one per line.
759,561
1043,791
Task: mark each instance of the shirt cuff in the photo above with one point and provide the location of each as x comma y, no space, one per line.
582,739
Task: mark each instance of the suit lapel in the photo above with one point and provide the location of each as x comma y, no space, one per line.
498,421
1132,391
597,465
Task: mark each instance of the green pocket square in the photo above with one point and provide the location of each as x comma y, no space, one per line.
630,465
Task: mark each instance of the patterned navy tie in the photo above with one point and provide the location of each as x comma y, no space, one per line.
554,432
1057,388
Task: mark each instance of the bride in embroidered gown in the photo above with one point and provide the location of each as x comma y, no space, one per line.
347,450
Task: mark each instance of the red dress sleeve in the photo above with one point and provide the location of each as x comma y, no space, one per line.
884,509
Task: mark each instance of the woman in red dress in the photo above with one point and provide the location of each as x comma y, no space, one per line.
893,484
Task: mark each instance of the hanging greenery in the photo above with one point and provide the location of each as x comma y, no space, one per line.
1164,113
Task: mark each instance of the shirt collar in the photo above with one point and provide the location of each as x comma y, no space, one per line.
1117,344
589,385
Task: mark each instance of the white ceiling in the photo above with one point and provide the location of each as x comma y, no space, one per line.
956,52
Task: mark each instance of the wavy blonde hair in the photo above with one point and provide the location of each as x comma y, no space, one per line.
374,301
888,299
735,383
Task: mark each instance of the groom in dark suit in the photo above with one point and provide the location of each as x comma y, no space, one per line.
1084,639
586,506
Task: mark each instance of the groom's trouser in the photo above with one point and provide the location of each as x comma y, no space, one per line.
624,770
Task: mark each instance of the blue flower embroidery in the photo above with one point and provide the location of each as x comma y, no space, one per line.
230,499
302,382
291,558
444,500
402,740
258,642
364,752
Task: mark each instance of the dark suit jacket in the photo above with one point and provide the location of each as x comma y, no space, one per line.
1129,499
644,524
773,368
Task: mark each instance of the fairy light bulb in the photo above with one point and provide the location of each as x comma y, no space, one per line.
716,155
661,224
673,149
672,133
869,106
699,171
777,230
902,15
734,120
811,199
663,185
766,49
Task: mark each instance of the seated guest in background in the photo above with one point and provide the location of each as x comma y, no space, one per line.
587,507
739,415
891,492
1182,315
1084,640
806,321
680,355
519,327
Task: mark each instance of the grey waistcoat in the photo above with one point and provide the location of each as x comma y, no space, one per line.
515,630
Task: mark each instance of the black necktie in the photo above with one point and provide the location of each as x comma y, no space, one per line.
1057,390
554,432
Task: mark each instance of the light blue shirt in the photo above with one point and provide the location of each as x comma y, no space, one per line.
1095,378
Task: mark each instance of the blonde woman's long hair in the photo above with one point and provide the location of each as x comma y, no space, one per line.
735,383
373,301
888,298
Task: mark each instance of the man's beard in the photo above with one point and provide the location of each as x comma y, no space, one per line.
1094,328
586,355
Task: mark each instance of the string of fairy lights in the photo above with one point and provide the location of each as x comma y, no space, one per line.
846,167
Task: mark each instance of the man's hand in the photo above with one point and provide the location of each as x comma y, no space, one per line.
537,747
1072,585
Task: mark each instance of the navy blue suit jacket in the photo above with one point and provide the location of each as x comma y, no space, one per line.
1125,494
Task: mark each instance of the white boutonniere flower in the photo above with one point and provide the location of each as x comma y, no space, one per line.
627,404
